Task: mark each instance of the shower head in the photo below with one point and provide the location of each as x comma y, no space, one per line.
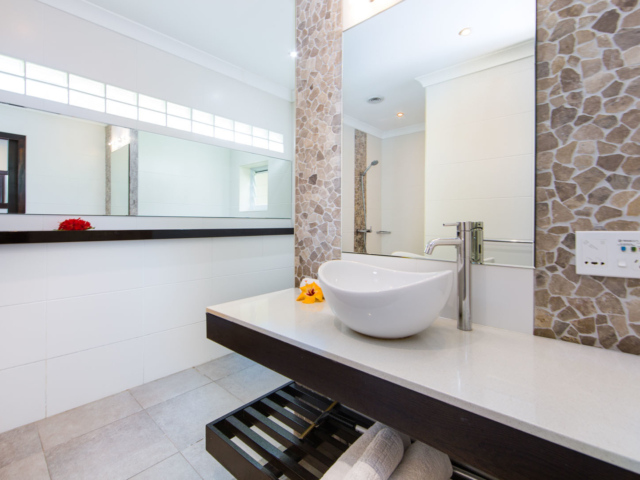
375,162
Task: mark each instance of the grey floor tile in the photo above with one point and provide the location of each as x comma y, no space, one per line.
207,466
71,424
114,452
173,468
225,366
163,389
32,467
252,382
18,444
184,418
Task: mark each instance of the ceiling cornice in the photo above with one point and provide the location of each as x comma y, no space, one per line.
511,54
418,127
124,26
362,126
376,132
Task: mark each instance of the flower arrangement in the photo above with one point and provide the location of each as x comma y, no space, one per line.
72,224
311,293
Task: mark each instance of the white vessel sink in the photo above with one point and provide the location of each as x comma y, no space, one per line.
383,303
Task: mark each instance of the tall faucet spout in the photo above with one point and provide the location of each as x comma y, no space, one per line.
468,245
437,242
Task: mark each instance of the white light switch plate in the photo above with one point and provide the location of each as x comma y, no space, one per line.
608,254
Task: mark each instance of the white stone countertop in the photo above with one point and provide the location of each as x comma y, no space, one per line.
584,398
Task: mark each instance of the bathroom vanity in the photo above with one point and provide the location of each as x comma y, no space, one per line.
514,406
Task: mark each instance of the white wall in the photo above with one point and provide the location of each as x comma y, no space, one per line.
501,296
79,322
35,32
65,161
181,178
480,156
82,321
403,193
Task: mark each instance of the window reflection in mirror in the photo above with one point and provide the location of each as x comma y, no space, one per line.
443,95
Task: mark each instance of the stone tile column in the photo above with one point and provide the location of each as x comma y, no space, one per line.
318,134
588,165
360,164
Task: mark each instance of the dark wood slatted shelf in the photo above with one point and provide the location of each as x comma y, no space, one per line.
283,451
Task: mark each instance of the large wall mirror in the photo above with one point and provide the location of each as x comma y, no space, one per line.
74,166
439,127
145,108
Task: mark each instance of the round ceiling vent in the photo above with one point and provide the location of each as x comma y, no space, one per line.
375,100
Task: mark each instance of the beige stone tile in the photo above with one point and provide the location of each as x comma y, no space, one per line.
163,389
252,382
173,468
73,423
18,444
225,366
114,452
184,418
32,467
207,466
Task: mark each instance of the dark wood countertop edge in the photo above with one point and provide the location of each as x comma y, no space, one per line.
7,238
498,450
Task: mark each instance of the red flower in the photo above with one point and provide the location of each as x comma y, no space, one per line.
75,224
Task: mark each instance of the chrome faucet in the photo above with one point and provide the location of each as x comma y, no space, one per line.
469,250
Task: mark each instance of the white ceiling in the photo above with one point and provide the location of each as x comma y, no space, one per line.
385,54
255,35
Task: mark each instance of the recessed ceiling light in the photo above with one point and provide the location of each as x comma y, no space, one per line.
465,32
293,54
400,114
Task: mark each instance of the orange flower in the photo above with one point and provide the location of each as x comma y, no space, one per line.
311,293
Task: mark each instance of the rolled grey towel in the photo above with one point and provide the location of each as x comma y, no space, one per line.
380,459
422,462
349,458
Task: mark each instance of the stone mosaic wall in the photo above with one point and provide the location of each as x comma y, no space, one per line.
360,164
318,134
588,177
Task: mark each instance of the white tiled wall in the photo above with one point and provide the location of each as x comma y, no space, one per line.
403,193
479,133
82,321
501,296
35,32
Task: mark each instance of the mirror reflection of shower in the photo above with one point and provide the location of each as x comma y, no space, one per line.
364,204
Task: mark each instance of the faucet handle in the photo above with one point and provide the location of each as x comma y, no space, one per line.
454,224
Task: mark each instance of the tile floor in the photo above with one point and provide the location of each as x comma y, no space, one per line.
152,432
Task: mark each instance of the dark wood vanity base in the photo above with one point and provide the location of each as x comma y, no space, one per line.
115,235
493,448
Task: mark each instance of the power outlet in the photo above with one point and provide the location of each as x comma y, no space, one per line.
608,254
